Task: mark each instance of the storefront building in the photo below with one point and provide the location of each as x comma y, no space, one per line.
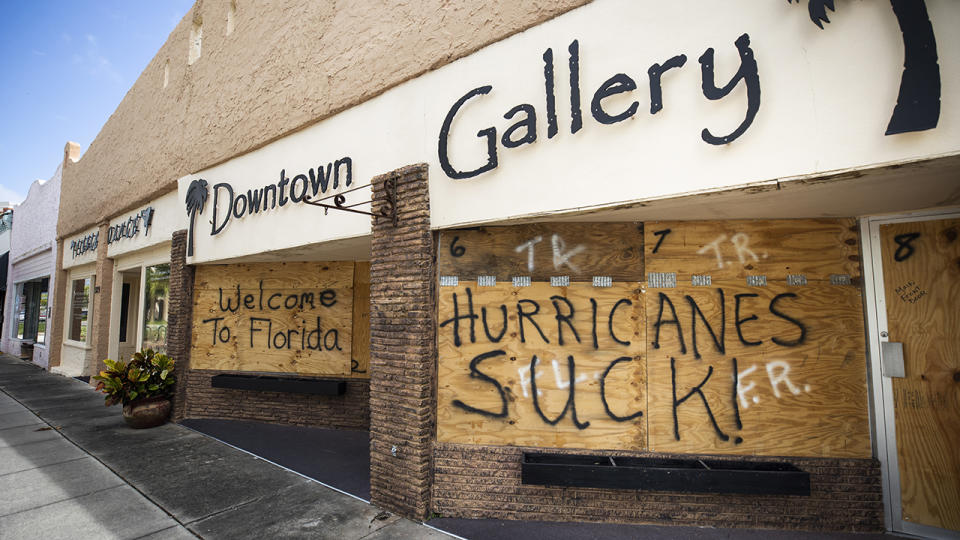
118,287
556,267
28,326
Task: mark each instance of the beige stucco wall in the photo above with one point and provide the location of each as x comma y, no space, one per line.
286,65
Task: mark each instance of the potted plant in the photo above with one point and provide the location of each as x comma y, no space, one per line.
143,386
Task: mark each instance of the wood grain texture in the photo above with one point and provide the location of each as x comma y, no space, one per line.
522,424
798,392
360,348
921,277
577,250
731,250
801,368
277,318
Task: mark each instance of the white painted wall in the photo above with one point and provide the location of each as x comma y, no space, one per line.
826,98
88,257
33,255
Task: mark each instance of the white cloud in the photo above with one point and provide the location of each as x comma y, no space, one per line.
38,53
8,195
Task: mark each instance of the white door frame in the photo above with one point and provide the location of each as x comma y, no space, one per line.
885,437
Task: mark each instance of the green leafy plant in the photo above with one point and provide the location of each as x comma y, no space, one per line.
148,374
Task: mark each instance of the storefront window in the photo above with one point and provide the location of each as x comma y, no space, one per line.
80,309
42,317
20,312
156,301
30,310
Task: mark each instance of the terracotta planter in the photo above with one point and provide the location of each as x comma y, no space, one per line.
147,413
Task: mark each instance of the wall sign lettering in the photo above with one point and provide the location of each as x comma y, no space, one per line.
85,244
524,129
131,227
917,107
230,203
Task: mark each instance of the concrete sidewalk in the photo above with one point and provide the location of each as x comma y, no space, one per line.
70,468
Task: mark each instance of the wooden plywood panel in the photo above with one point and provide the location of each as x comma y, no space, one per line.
360,358
921,273
486,389
732,250
783,372
577,250
273,317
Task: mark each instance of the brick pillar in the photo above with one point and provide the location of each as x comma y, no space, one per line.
403,348
59,309
180,318
100,323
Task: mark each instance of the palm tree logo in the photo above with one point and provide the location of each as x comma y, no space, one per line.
196,197
918,103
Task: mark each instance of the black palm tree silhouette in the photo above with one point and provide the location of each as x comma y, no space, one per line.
918,103
196,198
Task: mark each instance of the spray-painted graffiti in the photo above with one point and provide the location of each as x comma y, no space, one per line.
740,244
286,318
727,367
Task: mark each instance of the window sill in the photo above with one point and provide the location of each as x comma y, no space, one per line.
77,344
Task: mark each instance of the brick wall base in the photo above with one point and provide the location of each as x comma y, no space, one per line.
484,482
348,411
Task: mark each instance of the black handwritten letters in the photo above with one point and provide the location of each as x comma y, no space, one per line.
266,325
580,349
695,387
553,332
523,129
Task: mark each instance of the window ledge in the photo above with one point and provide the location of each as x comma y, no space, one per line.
77,344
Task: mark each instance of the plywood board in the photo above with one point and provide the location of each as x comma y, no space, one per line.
273,317
779,372
500,330
539,251
734,249
921,274
360,357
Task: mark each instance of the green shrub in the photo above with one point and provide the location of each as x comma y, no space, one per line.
148,374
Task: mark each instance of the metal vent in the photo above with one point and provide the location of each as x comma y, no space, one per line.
796,279
757,281
560,281
662,280
521,281
700,281
449,281
602,281
840,279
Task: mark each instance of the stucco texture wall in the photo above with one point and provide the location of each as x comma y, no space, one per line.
32,251
287,64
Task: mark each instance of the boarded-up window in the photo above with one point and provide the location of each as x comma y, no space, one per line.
281,318
689,337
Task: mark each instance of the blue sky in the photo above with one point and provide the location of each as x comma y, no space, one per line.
64,68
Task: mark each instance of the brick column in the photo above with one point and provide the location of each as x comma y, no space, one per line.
58,312
100,324
403,349
180,318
